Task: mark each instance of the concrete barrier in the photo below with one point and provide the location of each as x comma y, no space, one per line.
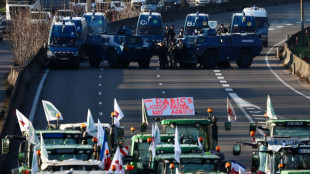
298,66
25,77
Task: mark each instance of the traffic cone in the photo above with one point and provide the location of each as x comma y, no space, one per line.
297,40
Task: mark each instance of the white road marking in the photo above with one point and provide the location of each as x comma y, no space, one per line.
270,29
259,118
158,75
217,70
220,77
99,93
100,103
36,98
307,19
298,22
255,112
255,115
228,89
99,84
223,81
250,108
288,24
101,69
225,85
281,80
160,84
100,77
218,74
279,26
100,113
163,92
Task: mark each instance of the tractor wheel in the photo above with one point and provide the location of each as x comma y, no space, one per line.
93,60
210,59
113,59
245,58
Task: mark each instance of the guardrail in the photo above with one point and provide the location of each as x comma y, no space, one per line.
297,65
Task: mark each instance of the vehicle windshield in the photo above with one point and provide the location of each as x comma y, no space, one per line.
261,22
144,153
63,42
192,30
188,131
190,168
66,141
243,24
61,157
151,1
293,161
292,131
150,30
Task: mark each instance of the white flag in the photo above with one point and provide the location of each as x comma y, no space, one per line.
44,154
157,134
118,113
90,125
100,133
117,161
177,170
22,121
177,147
231,112
32,137
270,112
34,165
51,112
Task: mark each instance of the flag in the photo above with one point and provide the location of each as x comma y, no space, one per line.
34,165
231,112
117,161
237,168
90,125
32,137
270,112
44,154
177,170
105,158
153,144
157,134
144,114
100,133
22,121
200,146
118,113
51,111
177,147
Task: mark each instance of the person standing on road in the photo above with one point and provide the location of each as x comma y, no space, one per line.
222,30
162,54
182,54
171,34
173,50
181,34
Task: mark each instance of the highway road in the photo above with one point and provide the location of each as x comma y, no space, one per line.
75,91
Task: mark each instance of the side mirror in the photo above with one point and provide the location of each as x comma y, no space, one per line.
5,146
227,126
143,127
236,150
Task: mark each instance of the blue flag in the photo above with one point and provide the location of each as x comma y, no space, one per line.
103,148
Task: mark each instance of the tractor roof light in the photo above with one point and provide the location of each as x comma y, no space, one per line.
209,110
106,152
112,114
113,167
94,140
83,125
149,140
171,166
218,148
58,115
38,152
130,167
200,139
227,165
280,166
252,133
132,129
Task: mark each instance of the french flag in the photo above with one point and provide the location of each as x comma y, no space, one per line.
105,153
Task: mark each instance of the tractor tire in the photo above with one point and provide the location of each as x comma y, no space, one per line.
113,59
210,59
125,64
245,58
144,63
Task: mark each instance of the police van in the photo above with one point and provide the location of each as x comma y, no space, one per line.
63,46
261,20
194,22
81,29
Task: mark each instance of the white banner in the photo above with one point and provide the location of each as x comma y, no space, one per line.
169,106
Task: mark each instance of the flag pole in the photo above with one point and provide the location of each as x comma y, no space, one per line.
57,116
180,168
49,125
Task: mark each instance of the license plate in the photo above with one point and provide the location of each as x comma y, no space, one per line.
63,58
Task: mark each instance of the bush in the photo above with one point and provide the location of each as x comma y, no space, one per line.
2,10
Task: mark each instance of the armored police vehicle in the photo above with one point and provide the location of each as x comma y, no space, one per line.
96,22
150,28
261,20
242,23
118,49
81,29
63,48
194,22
